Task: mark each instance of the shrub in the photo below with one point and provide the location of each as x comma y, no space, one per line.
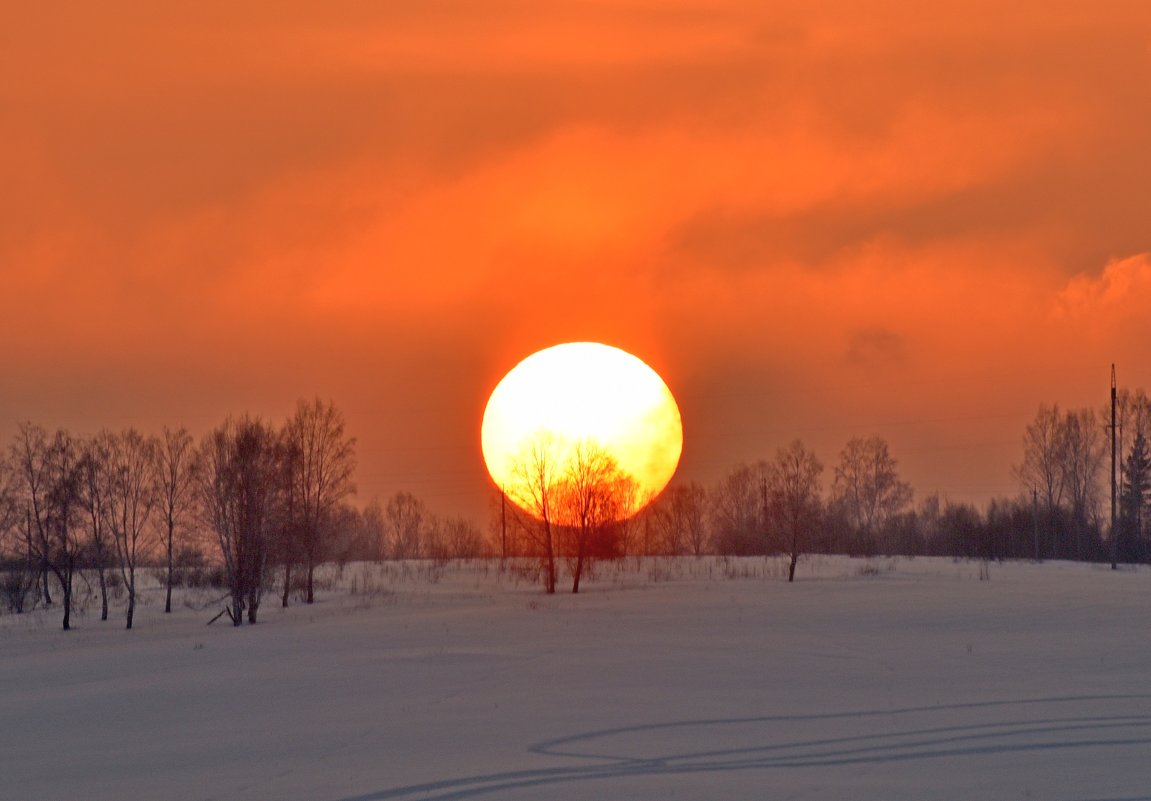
15,584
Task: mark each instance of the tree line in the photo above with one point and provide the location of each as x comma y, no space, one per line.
269,504
568,501
250,507
107,505
789,506
580,509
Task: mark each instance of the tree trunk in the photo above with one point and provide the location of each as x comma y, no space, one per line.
550,578
287,583
131,597
253,607
171,571
311,569
791,566
44,582
578,567
67,590
237,609
1078,537
103,595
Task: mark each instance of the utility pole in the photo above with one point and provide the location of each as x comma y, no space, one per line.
1114,532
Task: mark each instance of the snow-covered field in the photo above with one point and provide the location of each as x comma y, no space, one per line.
667,679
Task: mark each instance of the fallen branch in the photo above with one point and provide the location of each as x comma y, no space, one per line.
227,610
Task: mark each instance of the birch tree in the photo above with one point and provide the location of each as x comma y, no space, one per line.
738,511
593,493
131,499
239,481
94,487
867,488
175,486
405,519
794,499
48,492
320,460
534,488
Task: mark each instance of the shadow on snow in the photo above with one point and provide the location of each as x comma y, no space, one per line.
1018,735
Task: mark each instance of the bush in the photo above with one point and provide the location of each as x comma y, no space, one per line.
200,578
15,584
115,584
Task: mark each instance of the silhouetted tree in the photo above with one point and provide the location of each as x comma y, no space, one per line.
1135,500
175,496
131,498
1011,528
321,461
962,531
94,488
592,494
29,462
1133,418
375,531
794,499
679,519
406,517
49,489
19,574
867,489
287,544
1063,455
240,483
453,538
534,488
738,511
1042,469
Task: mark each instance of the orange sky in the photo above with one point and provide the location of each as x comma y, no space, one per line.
919,220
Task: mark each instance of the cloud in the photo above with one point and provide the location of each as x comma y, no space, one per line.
1122,289
875,348
214,206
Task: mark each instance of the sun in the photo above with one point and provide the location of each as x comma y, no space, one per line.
580,394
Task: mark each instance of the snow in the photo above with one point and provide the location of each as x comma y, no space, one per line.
676,679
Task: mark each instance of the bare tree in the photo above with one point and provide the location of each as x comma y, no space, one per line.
29,458
20,575
406,519
49,484
1083,452
593,494
1042,469
738,510
534,488
1063,455
679,516
375,530
867,488
794,498
322,461
94,488
462,538
175,455
448,538
131,499
239,480
287,543
8,505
